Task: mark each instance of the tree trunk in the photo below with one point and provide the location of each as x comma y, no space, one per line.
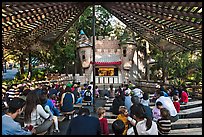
29,67
21,65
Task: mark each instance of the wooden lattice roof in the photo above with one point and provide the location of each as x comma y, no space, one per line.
170,25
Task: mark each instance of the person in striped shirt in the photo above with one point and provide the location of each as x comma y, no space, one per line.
164,123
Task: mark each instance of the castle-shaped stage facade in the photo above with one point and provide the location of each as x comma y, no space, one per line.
115,62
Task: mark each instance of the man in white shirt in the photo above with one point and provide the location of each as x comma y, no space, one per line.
168,104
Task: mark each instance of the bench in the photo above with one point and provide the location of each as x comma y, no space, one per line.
107,108
69,114
108,105
184,113
78,106
191,104
61,118
43,133
109,101
190,131
188,122
110,115
110,121
188,105
86,103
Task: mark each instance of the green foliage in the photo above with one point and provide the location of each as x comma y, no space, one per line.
181,66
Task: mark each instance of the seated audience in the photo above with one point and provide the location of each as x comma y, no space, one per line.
36,116
117,102
84,124
11,127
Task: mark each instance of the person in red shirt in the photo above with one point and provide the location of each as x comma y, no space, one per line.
103,121
176,103
184,97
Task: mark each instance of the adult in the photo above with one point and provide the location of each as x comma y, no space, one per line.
137,92
53,90
144,125
164,91
11,127
168,104
184,97
76,93
36,116
45,102
128,102
88,95
84,124
117,102
174,91
111,91
67,101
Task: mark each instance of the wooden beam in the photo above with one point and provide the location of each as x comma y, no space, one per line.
153,11
151,31
67,27
161,26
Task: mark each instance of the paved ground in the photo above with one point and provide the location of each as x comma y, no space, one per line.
10,73
64,124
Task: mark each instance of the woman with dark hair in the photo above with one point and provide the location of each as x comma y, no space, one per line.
35,115
144,124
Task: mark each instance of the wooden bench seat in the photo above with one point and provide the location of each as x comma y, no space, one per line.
107,108
184,113
189,131
69,114
188,105
110,121
191,104
61,118
187,122
108,105
109,101
78,106
86,103
110,115
43,133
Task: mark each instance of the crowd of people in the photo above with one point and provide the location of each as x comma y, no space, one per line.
41,104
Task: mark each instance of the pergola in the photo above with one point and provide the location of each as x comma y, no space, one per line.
167,25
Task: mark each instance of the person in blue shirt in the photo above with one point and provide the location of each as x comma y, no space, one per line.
163,90
45,101
11,127
84,124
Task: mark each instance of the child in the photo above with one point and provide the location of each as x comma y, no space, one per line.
123,116
103,121
54,99
176,103
156,111
164,124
